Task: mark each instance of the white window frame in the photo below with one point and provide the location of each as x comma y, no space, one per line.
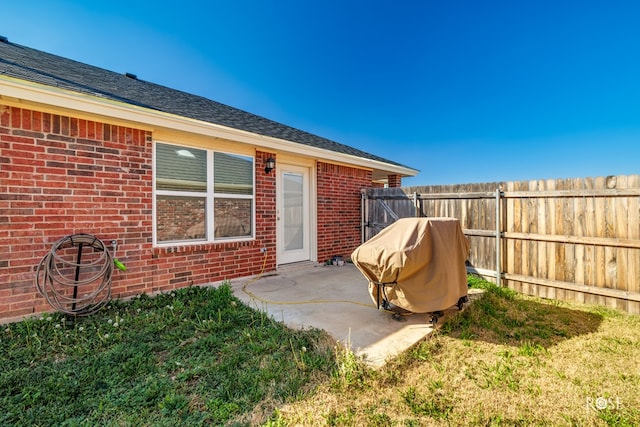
209,197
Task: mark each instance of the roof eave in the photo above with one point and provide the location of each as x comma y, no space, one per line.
62,98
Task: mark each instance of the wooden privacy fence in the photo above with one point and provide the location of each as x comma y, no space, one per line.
566,239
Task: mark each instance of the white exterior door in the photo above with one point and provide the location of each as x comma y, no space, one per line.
292,214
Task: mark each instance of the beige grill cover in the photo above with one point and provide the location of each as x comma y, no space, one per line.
424,256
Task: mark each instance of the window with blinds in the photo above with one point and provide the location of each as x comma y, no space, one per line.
202,195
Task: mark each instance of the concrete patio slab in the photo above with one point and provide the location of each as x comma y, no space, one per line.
337,300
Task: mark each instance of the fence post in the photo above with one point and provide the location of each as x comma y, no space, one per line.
498,259
416,203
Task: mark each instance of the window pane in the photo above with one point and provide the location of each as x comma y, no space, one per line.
232,217
180,168
180,218
232,174
293,208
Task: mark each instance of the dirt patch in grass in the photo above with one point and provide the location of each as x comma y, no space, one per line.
506,360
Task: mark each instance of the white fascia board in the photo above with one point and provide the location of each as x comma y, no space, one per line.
94,104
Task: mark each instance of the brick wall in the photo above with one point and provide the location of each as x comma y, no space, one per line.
61,175
395,181
339,217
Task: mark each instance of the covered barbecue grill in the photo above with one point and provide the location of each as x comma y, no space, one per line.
416,264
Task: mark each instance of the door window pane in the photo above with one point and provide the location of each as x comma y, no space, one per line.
293,211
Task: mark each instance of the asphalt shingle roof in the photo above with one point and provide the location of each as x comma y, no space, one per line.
40,67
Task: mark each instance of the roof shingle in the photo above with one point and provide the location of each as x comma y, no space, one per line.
40,67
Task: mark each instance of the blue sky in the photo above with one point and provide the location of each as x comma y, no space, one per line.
464,91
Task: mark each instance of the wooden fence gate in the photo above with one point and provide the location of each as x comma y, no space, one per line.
573,239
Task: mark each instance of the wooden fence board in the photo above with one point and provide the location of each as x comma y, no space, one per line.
549,220
600,227
530,224
519,225
543,261
559,230
575,217
633,232
620,231
593,215
509,255
610,252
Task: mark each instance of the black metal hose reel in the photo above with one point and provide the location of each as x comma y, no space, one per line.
75,276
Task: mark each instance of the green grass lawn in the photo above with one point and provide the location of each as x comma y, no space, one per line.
198,356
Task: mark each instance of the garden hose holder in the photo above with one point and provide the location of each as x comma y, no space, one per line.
75,276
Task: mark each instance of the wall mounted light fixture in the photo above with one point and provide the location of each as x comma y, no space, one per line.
269,165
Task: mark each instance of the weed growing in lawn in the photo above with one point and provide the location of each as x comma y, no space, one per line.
433,405
350,370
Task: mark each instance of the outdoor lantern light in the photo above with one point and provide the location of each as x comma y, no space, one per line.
270,165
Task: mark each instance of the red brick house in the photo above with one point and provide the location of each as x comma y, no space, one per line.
177,180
